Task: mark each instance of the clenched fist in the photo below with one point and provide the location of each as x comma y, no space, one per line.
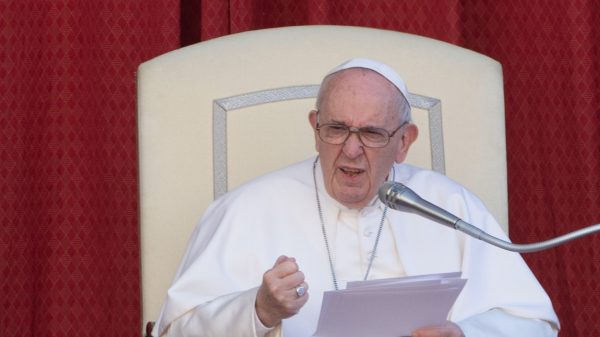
277,297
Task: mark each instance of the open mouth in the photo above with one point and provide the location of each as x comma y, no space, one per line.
352,172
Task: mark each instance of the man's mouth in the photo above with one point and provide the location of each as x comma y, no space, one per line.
352,172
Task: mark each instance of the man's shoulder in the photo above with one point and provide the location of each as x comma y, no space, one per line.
276,183
293,173
440,190
410,174
431,184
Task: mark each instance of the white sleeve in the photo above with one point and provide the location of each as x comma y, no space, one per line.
498,323
259,328
228,315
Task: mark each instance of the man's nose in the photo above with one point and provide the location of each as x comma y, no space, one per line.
353,146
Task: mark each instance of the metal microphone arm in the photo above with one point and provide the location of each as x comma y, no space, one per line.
524,248
399,197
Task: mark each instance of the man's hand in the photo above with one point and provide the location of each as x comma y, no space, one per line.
277,298
448,329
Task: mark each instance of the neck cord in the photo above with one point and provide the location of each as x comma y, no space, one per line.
333,275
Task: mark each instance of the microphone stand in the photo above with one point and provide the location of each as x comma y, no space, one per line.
523,248
399,197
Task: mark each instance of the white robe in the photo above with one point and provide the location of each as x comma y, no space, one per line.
242,233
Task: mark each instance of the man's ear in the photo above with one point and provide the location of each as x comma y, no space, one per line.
313,118
409,135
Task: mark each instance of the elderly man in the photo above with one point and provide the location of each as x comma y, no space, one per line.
263,254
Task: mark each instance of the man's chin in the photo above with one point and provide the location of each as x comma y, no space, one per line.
352,200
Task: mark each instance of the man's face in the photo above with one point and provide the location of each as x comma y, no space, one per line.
359,98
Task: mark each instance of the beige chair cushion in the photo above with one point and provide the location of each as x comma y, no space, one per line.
179,92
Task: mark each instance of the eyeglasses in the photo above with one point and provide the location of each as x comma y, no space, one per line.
336,134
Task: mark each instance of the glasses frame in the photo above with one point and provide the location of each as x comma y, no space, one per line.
358,131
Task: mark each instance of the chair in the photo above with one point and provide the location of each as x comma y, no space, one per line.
208,115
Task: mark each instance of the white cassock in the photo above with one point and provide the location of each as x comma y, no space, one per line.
242,233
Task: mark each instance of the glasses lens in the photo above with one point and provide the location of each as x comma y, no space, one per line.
373,137
333,134
337,134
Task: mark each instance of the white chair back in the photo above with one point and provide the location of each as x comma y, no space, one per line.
217,113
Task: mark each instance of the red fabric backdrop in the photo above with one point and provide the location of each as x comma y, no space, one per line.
69,246
69,237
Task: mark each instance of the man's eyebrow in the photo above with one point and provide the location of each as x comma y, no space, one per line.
338,122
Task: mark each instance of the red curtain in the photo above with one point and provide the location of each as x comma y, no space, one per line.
69,246
69,237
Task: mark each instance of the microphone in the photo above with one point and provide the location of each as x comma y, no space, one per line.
401,198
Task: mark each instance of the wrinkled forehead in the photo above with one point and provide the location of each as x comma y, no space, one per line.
360,95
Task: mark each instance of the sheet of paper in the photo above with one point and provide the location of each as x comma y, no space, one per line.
388,307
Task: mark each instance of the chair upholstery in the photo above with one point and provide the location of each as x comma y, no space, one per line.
217,113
